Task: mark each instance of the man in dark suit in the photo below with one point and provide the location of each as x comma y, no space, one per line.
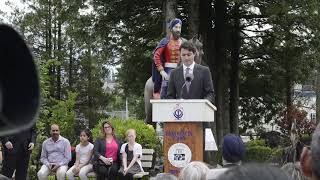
16,153
200,87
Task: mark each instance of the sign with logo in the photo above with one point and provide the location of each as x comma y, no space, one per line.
178,112
179,155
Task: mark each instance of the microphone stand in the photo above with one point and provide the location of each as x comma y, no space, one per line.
181,90
188,78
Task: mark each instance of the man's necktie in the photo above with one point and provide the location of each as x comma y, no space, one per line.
188,83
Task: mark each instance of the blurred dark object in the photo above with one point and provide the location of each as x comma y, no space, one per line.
19,83
73,157
272,138
3,177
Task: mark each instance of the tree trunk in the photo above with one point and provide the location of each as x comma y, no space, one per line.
194,18
92,121
234,82
289,102
169,13
318,96
194,31
59,51
70,80
220,65
50,50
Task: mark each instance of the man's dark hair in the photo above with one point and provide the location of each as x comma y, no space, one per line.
315,151
254,171
188,45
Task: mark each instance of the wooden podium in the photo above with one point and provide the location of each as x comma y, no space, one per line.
183,131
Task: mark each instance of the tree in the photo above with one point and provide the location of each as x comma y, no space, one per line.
62,38
303,125
282,55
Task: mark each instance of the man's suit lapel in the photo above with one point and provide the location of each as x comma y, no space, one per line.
180,80
196,75
180,75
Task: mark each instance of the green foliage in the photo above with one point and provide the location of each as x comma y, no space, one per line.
146,135
257,153
305,138
256,142
132,30
63,114
277,154
218,157
276,57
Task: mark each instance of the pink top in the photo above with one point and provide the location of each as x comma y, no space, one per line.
112,150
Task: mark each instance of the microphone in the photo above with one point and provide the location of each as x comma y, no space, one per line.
189,77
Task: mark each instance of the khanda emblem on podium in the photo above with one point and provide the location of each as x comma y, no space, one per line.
178,112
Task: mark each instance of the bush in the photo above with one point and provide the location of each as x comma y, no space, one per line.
257,142
306,139
257,154
146,135
257,151
277,155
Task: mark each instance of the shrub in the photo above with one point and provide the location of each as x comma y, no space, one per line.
277,155
257,151
146,135
257,142
258,154
305,138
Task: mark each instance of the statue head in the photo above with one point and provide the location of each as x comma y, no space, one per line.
175,28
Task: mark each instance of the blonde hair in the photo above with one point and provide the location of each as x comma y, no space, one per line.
131,130
195,170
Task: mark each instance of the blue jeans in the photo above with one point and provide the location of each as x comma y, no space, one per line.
164,84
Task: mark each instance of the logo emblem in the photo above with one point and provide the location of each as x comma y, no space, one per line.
178,112
179,155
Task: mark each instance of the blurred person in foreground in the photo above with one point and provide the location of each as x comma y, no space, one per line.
310,157
195,170
253,172
233,151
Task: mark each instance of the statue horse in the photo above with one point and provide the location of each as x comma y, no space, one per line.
148,88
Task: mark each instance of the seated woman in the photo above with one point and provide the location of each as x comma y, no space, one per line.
106,160
83,156
131,154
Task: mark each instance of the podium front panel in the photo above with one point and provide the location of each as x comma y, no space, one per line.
183,143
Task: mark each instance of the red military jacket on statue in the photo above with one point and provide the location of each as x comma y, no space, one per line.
171,53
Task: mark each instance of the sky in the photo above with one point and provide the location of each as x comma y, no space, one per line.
7,7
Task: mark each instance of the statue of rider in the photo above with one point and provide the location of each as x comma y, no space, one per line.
166,57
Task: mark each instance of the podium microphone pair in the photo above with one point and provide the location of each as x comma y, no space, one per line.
188,78
19,83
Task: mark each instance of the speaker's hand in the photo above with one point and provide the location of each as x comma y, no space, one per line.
9,145
156,96
164,75
31,146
